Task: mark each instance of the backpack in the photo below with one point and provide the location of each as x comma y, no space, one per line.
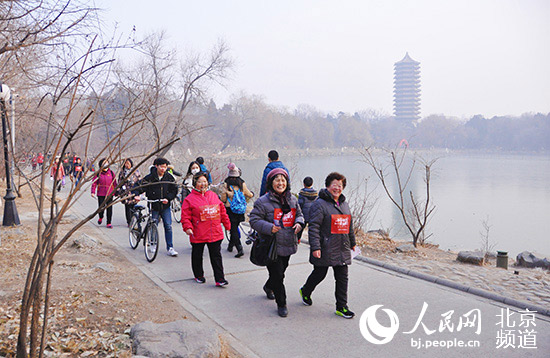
238,204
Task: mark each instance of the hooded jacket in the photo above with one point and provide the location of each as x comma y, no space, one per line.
203,213
305,199
331,231
156,189
262,218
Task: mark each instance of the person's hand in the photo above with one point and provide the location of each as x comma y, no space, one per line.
297,227
93,195
189,232
275,229
164,201
317,254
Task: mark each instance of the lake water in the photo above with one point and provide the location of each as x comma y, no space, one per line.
509,192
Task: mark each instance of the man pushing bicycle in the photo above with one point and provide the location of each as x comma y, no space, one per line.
159,184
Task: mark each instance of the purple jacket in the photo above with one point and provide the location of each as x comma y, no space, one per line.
105,183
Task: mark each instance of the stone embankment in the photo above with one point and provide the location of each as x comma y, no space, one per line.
531,285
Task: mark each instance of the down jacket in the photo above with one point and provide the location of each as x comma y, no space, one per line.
262,220
331,231
306,197
203,213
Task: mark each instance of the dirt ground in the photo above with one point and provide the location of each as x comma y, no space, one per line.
91,309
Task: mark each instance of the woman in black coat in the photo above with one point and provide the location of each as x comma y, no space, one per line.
277,214
331,240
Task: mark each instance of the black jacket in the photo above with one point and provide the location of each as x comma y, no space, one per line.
156,189
262,218
323,235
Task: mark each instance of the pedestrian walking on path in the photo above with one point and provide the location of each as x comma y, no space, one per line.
129,182
103,185
161,185
331,240
200,161
306,197
278,214
202,212
194,168
234,194
274,162
57,174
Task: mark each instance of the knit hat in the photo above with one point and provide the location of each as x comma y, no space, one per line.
233,170
277,171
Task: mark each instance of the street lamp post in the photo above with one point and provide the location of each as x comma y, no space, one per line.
11,217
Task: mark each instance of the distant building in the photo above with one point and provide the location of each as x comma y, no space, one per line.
406,90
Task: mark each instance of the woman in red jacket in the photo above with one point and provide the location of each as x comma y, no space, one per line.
201,215
58,173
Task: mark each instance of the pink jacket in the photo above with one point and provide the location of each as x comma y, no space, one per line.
203,213
105,183
60,173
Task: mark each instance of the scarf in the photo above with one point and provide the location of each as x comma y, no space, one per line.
283,200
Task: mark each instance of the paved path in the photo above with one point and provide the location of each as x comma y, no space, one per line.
243,313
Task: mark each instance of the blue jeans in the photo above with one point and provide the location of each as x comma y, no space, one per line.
166,216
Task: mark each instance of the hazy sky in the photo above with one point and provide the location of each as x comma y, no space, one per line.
489,57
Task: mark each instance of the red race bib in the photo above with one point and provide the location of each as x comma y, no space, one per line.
209,212
288,219
339,224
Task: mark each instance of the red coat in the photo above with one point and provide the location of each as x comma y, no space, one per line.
203,213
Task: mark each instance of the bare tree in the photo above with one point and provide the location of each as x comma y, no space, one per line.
68,97
486,246
35,300
414,212
196,74
246,110
362,202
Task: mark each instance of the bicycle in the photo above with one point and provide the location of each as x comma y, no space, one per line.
143,226
242,230
175,207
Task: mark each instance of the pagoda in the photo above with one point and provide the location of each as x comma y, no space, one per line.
406,90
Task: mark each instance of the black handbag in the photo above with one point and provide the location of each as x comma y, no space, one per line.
263,251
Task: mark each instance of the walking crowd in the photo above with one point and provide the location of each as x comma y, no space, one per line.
278,218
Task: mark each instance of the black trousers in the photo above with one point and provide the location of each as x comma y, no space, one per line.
340,276
275,282
214,251
100,200
235,240
128,212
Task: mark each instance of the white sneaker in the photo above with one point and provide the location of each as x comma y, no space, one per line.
172,252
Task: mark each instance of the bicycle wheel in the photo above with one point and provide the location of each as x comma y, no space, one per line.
134,232
151,242
175,206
